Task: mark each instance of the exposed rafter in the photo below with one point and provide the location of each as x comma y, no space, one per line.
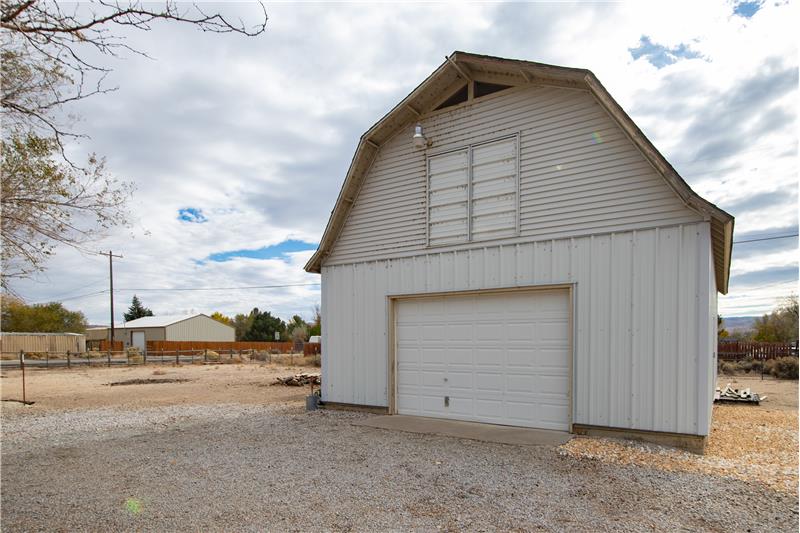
460,70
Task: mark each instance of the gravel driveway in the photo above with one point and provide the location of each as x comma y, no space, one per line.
257,467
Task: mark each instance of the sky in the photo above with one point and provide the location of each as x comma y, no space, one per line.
238,146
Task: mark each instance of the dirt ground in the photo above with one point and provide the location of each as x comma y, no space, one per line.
86,388
225,450
757,443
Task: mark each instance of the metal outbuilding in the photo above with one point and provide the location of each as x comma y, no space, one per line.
508,247
13,343
136,333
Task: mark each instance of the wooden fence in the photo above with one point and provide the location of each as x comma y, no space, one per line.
312,348
735,350
159,346
104,346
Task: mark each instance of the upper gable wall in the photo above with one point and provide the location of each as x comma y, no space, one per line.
579,175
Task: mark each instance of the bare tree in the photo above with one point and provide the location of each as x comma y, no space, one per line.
55,44
50,55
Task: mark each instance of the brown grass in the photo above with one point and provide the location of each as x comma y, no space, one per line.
752,443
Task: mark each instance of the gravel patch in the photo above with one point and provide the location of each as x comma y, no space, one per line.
253,468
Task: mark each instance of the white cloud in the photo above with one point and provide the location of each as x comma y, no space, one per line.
258,133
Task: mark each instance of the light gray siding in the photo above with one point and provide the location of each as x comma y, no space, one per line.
12,343
579,174
642,341
200,328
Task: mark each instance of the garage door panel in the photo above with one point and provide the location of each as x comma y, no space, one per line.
552,330
521,383
524,331
408,377
552,384
489,382
459,332
459,380
487,357
489,332
434,378
461,406
489,408
500,358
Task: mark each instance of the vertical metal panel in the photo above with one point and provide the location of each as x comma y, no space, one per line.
197,328
643,309
42,342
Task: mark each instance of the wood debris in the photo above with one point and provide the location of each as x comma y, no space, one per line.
729,394
298,380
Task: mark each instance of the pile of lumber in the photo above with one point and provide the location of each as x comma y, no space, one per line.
298,380
729,394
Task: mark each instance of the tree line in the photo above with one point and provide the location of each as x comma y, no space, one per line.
260,325
781,325
53,317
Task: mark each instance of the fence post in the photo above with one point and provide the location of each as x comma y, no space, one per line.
47,359
177,356
68,361
230,354
22,366
205,355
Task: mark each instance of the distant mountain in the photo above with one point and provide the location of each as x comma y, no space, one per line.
738,323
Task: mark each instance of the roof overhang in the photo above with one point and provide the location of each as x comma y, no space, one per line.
461,67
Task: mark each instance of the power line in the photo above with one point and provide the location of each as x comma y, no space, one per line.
76,289
223,288
104,291
766,238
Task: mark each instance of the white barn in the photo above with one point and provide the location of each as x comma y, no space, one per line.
508,247
136,333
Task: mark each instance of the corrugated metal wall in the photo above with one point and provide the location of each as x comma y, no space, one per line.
199,328
41,343
643,301
579,174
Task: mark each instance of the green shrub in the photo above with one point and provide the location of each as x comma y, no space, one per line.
784,367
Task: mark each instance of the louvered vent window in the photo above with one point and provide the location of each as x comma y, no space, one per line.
472,193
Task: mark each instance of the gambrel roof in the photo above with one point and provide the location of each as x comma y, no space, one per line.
461,67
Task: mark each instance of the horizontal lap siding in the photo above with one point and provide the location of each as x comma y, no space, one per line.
642,319
579,174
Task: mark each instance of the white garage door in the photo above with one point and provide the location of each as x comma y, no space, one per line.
500,358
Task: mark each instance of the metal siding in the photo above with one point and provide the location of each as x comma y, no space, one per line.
578,175
198,328
644,302
41,343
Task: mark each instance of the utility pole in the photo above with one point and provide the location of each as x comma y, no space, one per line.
111,257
